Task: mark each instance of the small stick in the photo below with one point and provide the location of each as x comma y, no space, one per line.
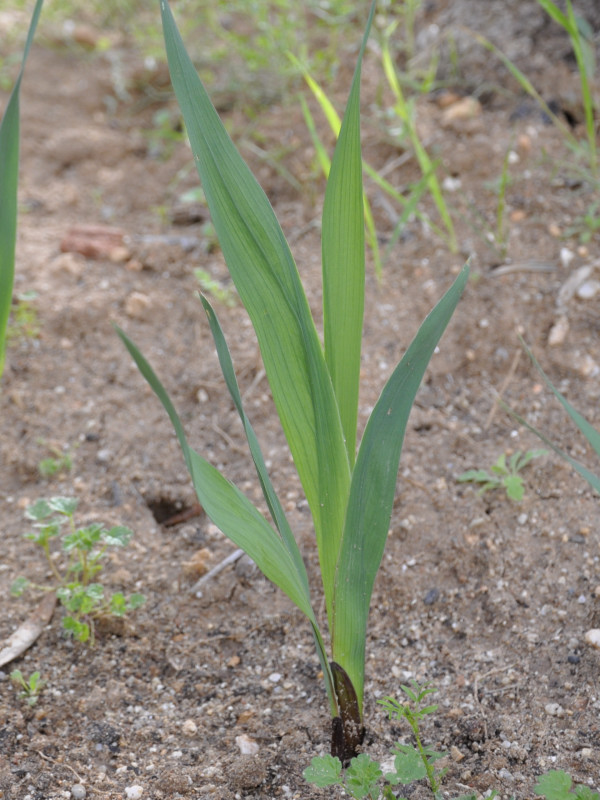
509,376
231,559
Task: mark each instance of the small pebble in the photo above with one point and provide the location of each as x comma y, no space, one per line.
431,597
78,791
588,290
134,792
138,305
275,677
505,775
558,332
248,747
572,658
593,637
566,256
554,709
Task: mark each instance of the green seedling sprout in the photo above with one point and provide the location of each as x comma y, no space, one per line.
9,179
589,432
350,491
363,777
84,550
30,689
405,114
503,476
210,286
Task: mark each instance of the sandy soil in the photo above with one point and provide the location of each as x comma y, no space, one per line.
487,598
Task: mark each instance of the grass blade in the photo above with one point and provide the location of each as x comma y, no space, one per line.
425,163
343,251
9,180
264,273
335,124
590,433
372,490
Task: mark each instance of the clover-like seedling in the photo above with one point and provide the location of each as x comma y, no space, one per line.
30,689
556,785
84,550
503,476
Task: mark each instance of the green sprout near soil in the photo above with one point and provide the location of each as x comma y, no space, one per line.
315,388
590,433
363,777
24,322
60,462
84,550
30,689
209,285
503,476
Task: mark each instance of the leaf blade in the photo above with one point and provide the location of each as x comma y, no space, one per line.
372,490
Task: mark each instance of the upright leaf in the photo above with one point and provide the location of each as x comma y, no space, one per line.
372,491
343,246
9,179
268,283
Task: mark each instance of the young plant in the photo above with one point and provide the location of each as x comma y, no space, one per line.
59,462
30,689
590,433
314,388
364,775
556,785
503,476
9,179
24,323
84,550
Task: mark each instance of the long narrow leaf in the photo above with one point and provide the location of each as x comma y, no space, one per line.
372,490
9,179
585,473
335,124
267,281
230,509
590,433
269,494
343,250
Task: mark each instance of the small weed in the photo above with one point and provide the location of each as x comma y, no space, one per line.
364,776
556,785
586,226
23,323
30,689
224,294
503,476
84,550
58,463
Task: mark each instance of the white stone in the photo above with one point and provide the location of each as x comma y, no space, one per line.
134,792
248,747
189,727
593,637
78,791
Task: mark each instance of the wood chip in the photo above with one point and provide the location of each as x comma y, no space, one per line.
27,633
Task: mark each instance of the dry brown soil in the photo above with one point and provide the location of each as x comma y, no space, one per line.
487,598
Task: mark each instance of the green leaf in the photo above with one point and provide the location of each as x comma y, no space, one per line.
343,252
476,476
373,488
554,785
229,509
78,630
19,586
64,505
362,776
514,487
39,510
119,536
265,275
324,771
9,180
408,764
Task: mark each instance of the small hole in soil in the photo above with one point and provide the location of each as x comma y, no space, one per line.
170,511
